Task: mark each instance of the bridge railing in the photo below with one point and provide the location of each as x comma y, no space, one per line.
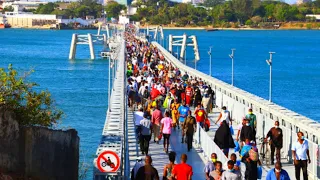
114,134
239,101
208,146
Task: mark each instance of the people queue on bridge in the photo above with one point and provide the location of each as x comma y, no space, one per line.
164,97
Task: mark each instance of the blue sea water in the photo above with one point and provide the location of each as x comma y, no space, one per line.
80,87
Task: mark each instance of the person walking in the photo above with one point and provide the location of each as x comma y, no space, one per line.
138,117
277,173
246,132
231,173
210,165
166,124
190,127
183,112
147,172
276,141
136,167
155,120
182,171
167,170
217,172
253,122
189,95
206,101
146,127
223,137
301,157
201,115
251,172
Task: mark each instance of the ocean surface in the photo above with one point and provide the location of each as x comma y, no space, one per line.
80,87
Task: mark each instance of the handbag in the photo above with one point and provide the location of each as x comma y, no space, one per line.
160,136
231,130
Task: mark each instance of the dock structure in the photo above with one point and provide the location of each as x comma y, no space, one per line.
119,129
87,39
184,41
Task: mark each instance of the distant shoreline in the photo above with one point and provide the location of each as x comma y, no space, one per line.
231,29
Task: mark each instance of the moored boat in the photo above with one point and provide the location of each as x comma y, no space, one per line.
211,29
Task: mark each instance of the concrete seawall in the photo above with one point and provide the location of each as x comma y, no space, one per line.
239,101
37,152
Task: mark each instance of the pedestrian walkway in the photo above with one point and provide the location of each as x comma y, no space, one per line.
159,157
213,116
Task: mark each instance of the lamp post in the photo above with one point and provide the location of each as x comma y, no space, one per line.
209,52
269,62
109,82
232,58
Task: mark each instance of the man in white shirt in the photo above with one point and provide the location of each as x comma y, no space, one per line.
301,157
138,116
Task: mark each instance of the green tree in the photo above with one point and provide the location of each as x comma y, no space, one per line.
113,9
242,9
31,107
8,9
46,8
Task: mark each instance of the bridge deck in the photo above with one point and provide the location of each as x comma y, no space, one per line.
159,157
195,157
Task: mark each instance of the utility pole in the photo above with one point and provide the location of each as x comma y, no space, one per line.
269,62
232,58
209,52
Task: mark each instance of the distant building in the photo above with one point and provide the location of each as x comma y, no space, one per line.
20,5
186,1
316,16
303,1
194,2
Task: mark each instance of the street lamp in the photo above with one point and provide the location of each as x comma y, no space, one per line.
269,62
232,58
209,52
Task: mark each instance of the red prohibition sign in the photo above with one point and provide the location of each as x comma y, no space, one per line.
103,162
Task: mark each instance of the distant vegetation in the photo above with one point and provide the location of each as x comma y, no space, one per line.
80,9
223,13
32,107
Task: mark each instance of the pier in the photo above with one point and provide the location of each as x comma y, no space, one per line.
119,131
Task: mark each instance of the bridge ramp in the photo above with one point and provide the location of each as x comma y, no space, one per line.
159,157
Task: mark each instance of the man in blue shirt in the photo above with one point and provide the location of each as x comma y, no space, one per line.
183,111
276,172
301,157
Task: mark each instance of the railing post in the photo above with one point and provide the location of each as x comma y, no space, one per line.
73,46
92,55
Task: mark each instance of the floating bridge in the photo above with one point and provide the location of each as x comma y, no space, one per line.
119,132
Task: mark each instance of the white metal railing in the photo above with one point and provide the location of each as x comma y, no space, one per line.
239,101
208,146
114,131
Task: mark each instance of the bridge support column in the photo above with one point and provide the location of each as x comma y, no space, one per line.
92,55
73,46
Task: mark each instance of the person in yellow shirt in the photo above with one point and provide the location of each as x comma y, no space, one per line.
174,116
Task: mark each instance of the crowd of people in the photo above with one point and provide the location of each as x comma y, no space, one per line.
164,97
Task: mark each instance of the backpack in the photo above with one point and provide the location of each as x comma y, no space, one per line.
254,156
146,94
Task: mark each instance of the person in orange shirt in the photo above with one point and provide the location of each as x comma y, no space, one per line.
182,171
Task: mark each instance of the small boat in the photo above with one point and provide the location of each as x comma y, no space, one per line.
211,29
